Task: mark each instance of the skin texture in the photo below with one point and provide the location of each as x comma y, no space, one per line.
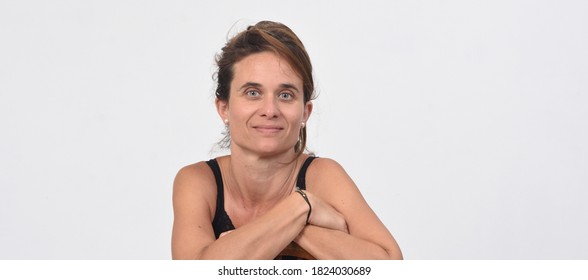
265,113
266,108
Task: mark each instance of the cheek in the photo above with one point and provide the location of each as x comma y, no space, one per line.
295,125
295,116
238,111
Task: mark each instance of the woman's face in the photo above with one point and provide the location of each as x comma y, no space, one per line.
266,106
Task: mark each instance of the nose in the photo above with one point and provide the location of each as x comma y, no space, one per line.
269,108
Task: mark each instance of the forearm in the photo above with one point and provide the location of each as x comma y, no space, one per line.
325,243
264,237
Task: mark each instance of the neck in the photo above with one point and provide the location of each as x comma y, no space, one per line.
259,182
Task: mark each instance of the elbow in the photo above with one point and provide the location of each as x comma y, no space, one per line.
189,254
394,254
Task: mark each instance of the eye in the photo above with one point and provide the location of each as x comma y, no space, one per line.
252,93
286,96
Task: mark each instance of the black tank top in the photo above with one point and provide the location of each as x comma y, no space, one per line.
221,221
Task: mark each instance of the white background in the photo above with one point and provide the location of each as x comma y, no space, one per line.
464,123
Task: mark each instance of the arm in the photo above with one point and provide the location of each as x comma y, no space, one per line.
194,202
368,238
193,237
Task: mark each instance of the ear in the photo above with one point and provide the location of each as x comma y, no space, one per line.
222,107
307,111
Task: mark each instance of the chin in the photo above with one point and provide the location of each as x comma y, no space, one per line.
268,150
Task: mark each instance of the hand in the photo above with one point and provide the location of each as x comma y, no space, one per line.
324,215
225,233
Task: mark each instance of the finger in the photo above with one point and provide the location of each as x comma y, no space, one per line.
225,233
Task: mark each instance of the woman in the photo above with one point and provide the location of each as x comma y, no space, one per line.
268,199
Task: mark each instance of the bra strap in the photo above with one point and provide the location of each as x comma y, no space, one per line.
219,184
301,180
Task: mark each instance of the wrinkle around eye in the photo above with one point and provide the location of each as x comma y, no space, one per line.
287,96
252,93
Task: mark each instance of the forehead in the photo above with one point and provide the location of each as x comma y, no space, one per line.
265,68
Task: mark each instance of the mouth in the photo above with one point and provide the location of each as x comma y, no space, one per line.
268,128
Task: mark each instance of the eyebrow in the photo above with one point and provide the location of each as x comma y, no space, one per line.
289,86
249,84
258,85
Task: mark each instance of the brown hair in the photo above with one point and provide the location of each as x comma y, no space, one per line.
265,36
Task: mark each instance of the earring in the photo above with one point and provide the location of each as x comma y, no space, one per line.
303,124
226,121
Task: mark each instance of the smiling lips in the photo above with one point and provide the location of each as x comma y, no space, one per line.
268,129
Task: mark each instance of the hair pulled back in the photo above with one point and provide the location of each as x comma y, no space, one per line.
261,37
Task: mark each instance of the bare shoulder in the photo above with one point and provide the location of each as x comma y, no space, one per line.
327,179
325,167
194,184
326,176
199,171
194,201
193,175
326,164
